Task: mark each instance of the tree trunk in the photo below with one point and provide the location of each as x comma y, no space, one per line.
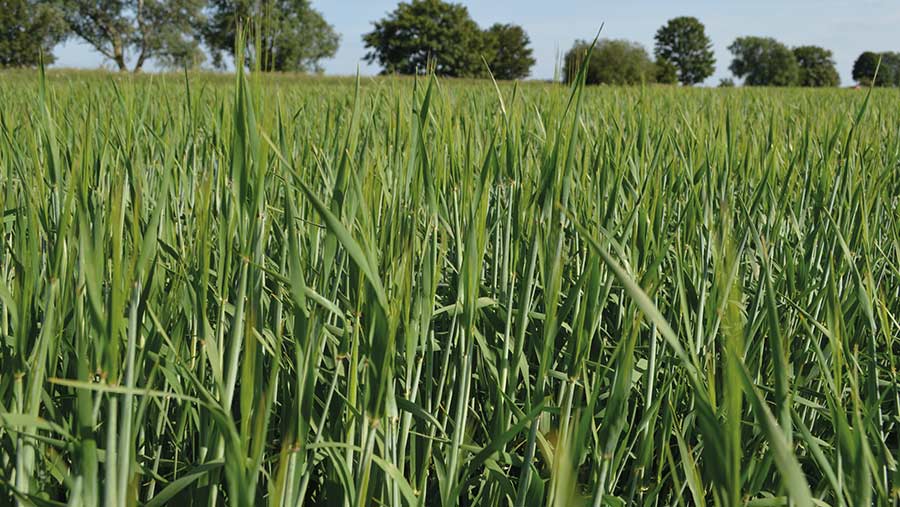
119,54
140,61
140,22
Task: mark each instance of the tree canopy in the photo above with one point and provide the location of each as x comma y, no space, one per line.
165,30
288,35
816,67
614,61
435,35
763,61
508,54
683,42
426,32
890,64
27,29
866,64
864,68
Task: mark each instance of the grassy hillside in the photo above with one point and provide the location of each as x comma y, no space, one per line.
284,291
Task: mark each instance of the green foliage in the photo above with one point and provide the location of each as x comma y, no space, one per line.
427,35
433,35
28,28
283,35
888,73
816,67
666,72
763,61
508,52
864,68
139,30
726,82
683,42
615,62
280,290
891,64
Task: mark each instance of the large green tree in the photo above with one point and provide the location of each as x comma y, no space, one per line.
888,73
139,30
763,61
424,33
816,66
864,68
27,29
614,61
509,54
281,35
683,42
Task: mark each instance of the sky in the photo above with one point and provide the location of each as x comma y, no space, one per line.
847,27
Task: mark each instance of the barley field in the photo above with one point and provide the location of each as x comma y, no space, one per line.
251,290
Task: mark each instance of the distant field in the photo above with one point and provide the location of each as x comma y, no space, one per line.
298,291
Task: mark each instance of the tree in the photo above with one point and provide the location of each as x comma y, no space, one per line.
763,61
283,35
423,33
165,30
888,72
816,66
27,29
683,42
615,62
890,63
509,56
864,68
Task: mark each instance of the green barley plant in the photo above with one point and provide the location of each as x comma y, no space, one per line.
285,291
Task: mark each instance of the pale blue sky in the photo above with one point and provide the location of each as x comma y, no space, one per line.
847,27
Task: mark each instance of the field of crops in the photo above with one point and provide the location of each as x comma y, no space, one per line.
278,291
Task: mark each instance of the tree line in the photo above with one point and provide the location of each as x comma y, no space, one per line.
418,36
683,53
291,35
